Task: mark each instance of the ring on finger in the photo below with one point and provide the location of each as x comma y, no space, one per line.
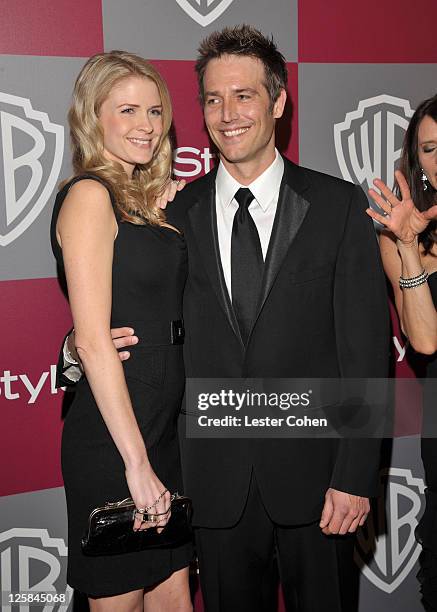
152,518
159,513
155,519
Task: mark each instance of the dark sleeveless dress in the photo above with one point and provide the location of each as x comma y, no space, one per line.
427,528
148,277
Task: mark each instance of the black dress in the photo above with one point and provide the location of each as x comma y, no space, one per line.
427,528
148,277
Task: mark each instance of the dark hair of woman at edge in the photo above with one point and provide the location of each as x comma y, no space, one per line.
410,167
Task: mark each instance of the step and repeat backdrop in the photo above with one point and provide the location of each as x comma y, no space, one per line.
357,71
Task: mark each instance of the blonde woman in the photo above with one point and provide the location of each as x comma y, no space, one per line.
122,263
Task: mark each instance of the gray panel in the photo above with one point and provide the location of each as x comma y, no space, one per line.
372,101
33,543
390,582
172,29
35,95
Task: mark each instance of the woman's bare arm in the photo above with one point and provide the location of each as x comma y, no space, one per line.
86,230
415,307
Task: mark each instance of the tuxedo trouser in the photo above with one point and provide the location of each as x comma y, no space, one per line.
237,565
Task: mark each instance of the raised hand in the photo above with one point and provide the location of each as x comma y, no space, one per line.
401,216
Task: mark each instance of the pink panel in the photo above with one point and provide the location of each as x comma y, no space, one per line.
35,316
51,28
191,137
398,31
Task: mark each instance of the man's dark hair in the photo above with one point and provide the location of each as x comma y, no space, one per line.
410,167
244,40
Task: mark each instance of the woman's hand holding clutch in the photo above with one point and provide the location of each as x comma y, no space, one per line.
150,496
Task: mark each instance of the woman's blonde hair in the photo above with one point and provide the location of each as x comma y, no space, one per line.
136,198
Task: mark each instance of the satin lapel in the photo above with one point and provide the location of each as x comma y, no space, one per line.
203,221
291,211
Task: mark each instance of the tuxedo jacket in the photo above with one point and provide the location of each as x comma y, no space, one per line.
322,312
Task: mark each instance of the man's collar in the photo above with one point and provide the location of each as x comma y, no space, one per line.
264,188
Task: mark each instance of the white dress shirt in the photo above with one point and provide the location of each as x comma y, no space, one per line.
262,209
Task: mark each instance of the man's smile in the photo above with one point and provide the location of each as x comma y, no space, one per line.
234,132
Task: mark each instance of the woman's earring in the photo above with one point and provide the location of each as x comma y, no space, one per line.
424,179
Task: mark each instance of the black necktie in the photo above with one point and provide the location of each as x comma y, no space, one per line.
246,264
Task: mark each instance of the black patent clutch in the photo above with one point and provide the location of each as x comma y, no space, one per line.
110,532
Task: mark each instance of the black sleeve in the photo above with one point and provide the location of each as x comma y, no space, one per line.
362,327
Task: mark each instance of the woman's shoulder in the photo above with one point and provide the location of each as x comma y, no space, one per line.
86,184
82,199
84,203
85,190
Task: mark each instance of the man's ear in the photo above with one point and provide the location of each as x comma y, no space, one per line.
279,105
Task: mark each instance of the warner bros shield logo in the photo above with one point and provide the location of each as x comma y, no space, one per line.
32,561
32,149
204,12
386,549
368,142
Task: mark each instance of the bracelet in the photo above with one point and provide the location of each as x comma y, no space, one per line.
155,503
414,281
68,357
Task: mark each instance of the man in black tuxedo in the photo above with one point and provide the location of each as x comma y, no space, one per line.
284,281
